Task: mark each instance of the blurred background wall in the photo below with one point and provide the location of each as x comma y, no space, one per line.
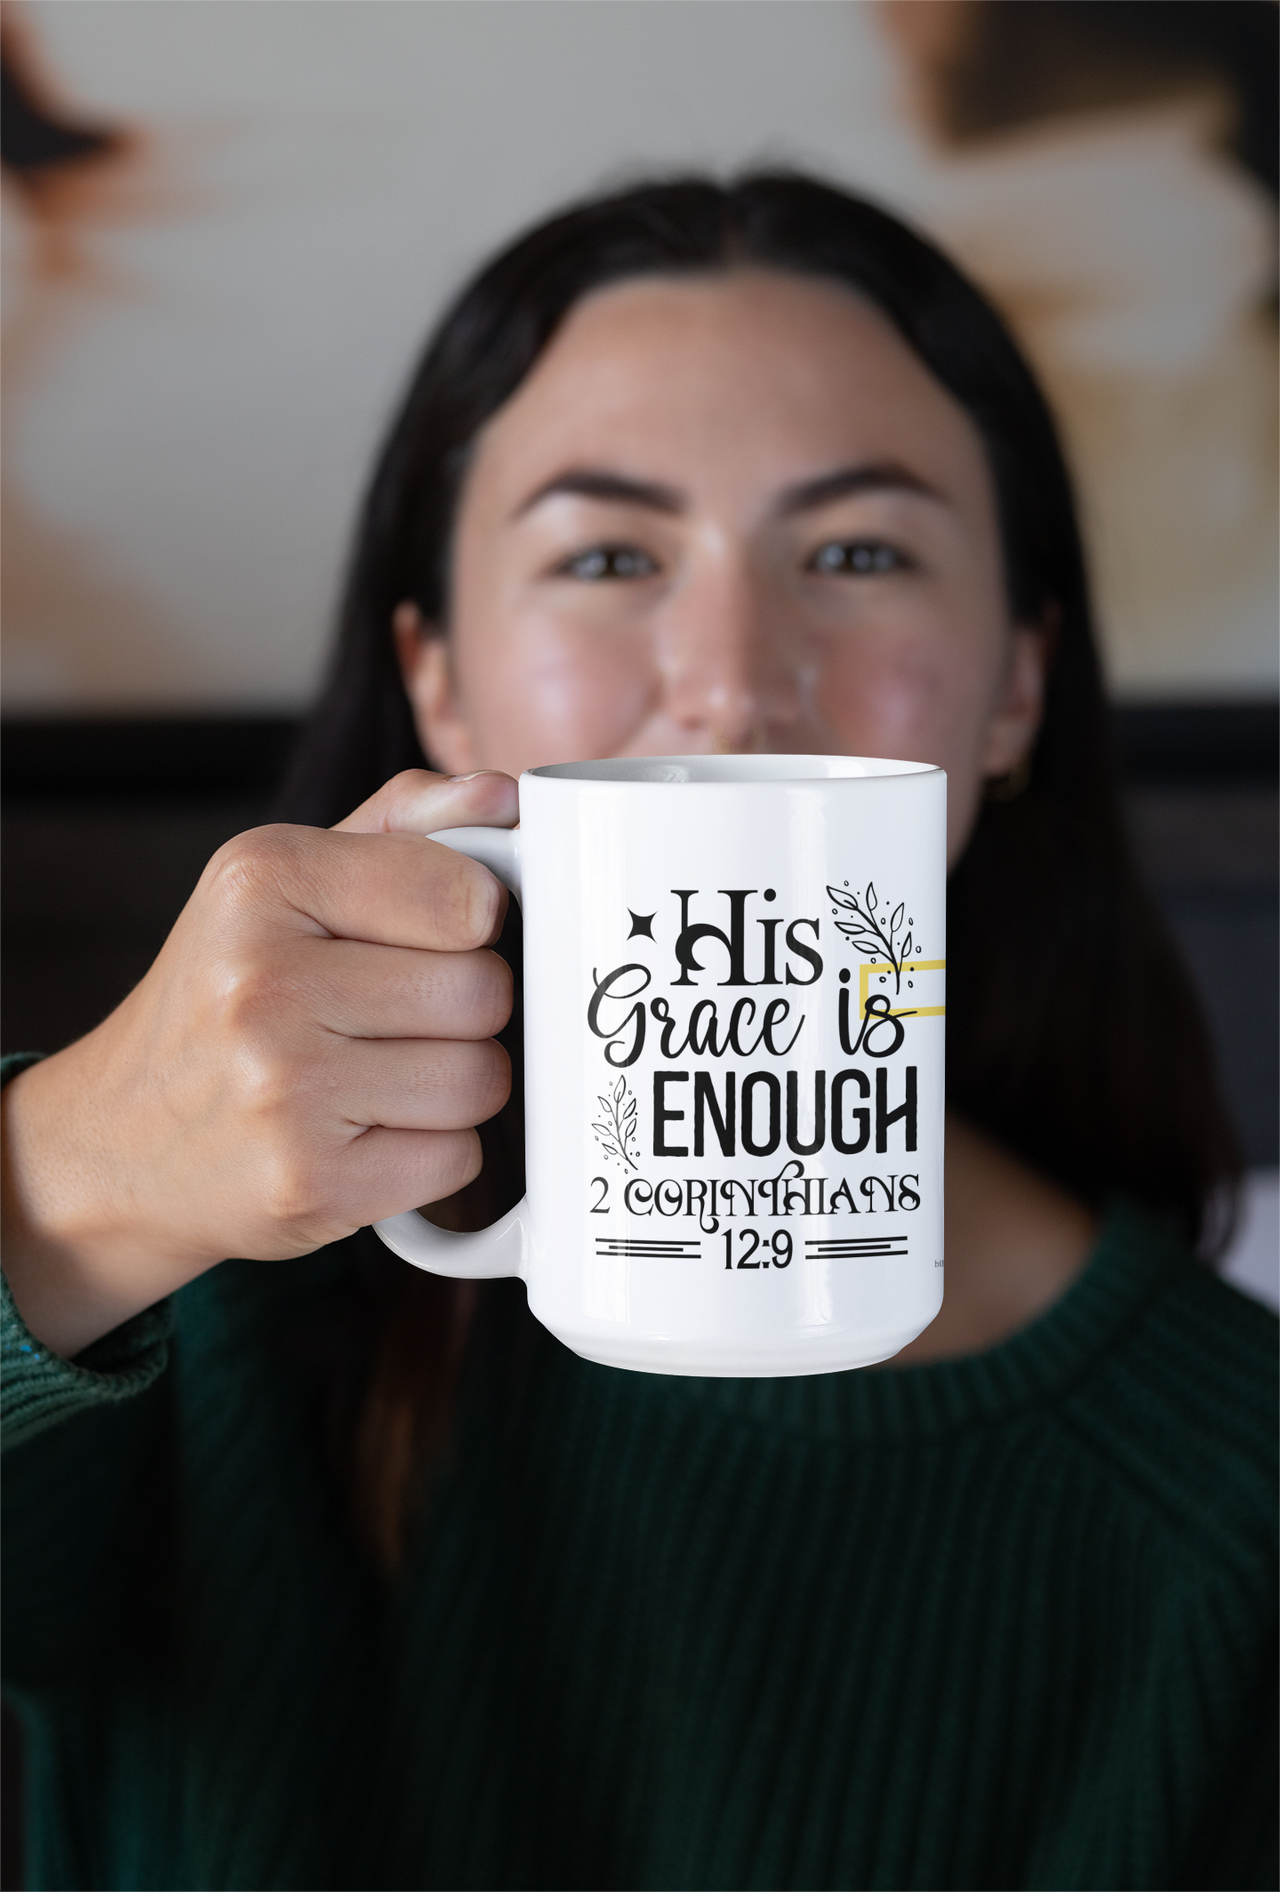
227,227
209,322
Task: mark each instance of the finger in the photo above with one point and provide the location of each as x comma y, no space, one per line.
420,802
388,889
385,1172
362,991
417,1084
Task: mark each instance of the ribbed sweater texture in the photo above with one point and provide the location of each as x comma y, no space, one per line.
1001,1622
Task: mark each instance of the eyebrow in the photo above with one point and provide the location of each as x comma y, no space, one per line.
881,476
587,482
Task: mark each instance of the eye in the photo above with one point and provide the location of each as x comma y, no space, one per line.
608,561
857,558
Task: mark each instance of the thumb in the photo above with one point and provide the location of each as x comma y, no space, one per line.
420,802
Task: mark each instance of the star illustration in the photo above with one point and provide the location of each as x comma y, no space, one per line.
641,925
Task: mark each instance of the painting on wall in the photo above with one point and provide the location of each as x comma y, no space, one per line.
72,182
1109,175
226,229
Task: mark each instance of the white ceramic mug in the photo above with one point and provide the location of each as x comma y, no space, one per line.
734,973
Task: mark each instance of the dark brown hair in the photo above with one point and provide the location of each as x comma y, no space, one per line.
1074,1035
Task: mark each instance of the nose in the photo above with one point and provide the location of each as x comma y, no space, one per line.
731,665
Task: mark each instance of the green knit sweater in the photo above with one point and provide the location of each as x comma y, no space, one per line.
1001,1622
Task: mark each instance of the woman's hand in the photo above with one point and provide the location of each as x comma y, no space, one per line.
310,1052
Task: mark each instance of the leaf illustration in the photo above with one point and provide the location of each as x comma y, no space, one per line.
858,934
874,933
619,1126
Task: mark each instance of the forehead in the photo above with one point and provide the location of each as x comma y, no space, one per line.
780,374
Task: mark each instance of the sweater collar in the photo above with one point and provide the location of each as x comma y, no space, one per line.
1132,1262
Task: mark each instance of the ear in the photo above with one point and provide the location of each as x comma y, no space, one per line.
423,654
1019,702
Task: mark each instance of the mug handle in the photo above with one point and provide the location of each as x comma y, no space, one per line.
503,1248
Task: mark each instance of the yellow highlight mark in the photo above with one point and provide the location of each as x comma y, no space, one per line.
869,966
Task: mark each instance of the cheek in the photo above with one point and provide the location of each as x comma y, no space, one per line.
919,698
537,692
901,689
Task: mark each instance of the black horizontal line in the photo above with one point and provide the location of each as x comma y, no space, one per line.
626,1254
852,1248
673,1241
867,1241
853,1241
649,1248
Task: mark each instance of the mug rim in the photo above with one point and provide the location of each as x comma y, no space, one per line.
714,771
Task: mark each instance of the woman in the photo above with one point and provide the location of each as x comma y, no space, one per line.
685,469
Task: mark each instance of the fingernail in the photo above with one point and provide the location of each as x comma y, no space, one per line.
470,778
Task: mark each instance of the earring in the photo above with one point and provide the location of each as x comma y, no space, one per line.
1009,787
